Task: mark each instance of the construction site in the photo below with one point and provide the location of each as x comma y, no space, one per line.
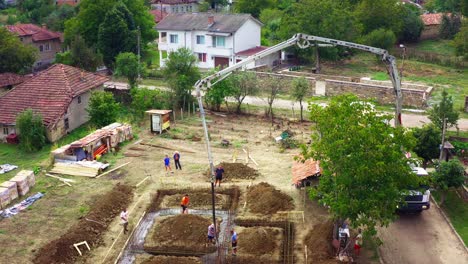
276,222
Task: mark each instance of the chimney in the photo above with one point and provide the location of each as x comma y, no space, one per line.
44,26
210,20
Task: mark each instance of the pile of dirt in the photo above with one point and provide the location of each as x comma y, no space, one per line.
251,260
319,243
103,211
172,260
265,199
260,240
181,233
237,171
197,201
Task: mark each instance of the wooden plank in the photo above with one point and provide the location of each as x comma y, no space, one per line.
142,181
60,178
107,172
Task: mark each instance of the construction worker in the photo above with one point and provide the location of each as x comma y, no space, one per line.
177,160
234,239
219,175
184,204
211,233
124,219
167,164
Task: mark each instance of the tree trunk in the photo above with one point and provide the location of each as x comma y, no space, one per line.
227,106
317,59
300,103
442,197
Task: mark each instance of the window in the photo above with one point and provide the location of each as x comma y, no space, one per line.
202,57
21,39
200,39
47,46
219,41
174,38
190,8
41,48
163,37
5,130
79,99
66,123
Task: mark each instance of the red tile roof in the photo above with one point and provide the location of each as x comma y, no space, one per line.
48,93
67,2
8,78
432,19
173,2
38,33
301,171
158,15
252,51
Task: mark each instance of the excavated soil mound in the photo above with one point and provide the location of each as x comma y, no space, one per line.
172,260
260,240
318,241
251,260
238,171
197,201
104,211
265,199
180,234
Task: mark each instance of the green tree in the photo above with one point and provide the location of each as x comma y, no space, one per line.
374,15
427,143
127,65
253,7
449,26
271,18
364,170
443,110
83,56
449,175
32,133
460,42
181,73
35,11
380,38
271,86
14,55
300,88
102,109
115,36
56,19
144,99
412,25
217,94
244,84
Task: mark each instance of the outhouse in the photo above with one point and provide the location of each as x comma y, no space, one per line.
160,120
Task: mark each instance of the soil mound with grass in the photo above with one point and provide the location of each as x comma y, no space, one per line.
238,171
259,240
265,199
172,260
103,211
181,233
319,243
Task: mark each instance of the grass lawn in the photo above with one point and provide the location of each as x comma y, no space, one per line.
457,210
440,46
154,82
12,154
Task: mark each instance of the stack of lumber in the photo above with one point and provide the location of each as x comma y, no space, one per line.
12,189
74,169
23,180
4,197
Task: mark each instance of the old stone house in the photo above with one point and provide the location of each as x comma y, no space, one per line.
432,24
48,43
60,94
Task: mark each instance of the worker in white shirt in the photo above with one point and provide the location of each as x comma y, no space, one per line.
124,219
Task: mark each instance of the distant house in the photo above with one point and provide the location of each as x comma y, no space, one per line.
158,15
67,2
60,94
175,6
8,80
47,42
214,38
432,24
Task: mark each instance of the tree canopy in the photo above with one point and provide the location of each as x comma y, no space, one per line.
80,55
365,171
15,56
444,109
102,109
127,66
448,175
32,133
427,142
253,7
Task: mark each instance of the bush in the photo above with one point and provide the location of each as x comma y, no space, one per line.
380,38
460,42
32,133
103,109
144,99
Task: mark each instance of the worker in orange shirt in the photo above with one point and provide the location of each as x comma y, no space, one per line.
184,204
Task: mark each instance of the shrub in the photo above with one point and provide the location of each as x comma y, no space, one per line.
144,99
103,109
32,133
380,38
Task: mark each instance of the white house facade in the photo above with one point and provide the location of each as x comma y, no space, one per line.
175,6
214,38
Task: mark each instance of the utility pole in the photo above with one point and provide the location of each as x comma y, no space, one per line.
138,42
443,140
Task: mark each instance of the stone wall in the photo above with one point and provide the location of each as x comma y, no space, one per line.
288,78
382,94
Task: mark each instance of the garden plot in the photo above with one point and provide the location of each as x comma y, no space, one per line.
266,200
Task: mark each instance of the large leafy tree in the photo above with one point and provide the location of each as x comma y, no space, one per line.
427,142
412,24
36,11
443,110
217,94
144,99
181,73
14,55
115,35
32,133
365,171
103,109
127,65
271,18
80,55
460,42
56,19
300,87
449,175
385,14
253,7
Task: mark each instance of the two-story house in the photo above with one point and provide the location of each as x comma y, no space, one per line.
214,38
60,94
175,6
47,42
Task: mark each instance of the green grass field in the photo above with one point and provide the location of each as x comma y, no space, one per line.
457,210
440,46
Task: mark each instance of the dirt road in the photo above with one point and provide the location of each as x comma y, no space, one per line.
424,238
